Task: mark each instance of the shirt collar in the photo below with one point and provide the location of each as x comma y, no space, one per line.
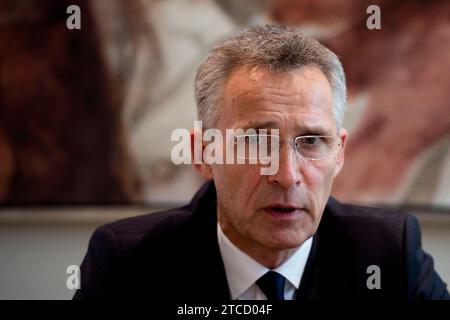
242,271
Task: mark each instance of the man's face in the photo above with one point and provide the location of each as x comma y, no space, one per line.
297,103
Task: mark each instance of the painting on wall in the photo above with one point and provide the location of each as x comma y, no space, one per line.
86,115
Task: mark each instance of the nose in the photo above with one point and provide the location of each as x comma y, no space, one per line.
288,174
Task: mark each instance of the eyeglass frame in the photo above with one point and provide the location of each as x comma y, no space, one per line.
292,143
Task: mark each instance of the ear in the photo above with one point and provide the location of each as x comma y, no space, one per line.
341,154
197,159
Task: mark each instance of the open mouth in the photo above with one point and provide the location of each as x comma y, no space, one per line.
282,210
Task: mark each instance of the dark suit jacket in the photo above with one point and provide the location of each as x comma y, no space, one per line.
174,256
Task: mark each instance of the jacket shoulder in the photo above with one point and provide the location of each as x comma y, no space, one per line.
353,211
129,232
367,229
387,220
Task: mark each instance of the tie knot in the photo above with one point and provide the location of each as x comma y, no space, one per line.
272,284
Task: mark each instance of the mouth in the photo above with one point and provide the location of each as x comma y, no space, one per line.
284,211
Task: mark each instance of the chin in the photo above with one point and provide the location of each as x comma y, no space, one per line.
286,241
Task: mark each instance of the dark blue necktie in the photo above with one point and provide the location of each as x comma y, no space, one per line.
272,284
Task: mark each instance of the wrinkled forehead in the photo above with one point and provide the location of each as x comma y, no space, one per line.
256,94
245,78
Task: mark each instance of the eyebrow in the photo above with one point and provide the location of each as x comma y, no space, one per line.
302,129
261,125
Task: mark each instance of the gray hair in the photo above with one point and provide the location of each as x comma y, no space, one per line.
276,48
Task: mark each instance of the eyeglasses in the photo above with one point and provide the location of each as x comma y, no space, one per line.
263,147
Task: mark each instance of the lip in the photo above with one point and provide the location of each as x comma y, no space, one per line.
284,211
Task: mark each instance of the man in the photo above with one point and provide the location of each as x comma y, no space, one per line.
280,236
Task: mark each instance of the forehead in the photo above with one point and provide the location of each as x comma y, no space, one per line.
299,98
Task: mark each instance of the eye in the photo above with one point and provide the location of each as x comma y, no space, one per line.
309,141
247,139
251,139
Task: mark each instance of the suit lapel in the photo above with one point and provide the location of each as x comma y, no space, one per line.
325,275
206,262
309,285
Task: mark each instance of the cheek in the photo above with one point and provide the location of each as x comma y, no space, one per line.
319,177
237,182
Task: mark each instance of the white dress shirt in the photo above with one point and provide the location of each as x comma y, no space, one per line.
242,271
